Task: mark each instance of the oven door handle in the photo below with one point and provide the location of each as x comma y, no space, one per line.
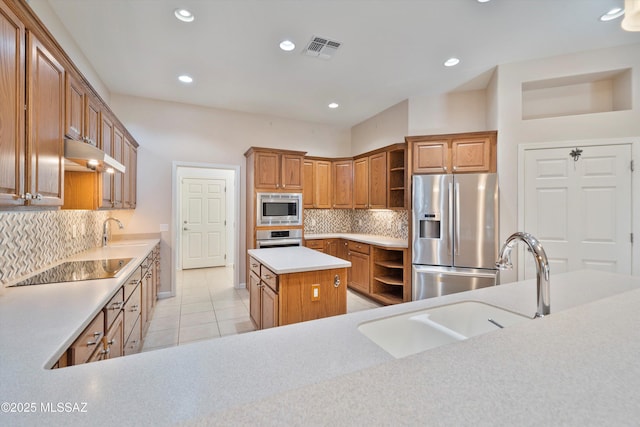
279,242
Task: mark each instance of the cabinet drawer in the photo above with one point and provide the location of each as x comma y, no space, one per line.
315,244
255,266
363,248
114,307
269,277
132,282
133,344
132,310
88,341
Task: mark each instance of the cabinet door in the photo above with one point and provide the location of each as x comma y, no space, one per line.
291,173
267,170
126,176
118,178
361,183
92,119
378,181
471,154
269,314
331,247
359,278
133,177
322,183
45,138
308,192
106,142
254,299
431,157
74,108
12,36
343,184
114,339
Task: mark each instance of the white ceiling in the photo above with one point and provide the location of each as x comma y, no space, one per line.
392,49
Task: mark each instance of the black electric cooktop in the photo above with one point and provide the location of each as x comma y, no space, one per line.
72,271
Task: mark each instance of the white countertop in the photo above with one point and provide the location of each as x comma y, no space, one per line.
372,239
296,259
577,366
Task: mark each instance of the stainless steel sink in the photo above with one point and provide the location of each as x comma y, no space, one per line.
411,333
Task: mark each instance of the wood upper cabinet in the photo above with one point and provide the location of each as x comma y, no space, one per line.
118,178
45,138
361,183
317,184
92,119
370,181
342,184
308,192
277,170
74,108
431,157
454,153
471,154
12,130
129,191
106,143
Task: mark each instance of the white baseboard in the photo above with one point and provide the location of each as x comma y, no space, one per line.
241,286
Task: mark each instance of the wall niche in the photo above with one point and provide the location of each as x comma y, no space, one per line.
600,92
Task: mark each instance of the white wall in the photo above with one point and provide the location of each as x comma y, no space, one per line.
385,128
64,39
448,113
513,130
169,132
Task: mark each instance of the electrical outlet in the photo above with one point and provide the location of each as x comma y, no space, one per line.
315,292
74,231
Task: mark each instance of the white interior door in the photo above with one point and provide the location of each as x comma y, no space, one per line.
203,223
580,210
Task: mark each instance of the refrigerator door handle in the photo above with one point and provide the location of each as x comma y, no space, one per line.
457,217
450,219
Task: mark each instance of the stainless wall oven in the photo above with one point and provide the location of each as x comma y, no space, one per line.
278,238
279,209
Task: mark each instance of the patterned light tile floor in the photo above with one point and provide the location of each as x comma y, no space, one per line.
207,306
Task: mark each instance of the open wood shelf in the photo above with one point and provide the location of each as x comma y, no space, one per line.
390,280
390,263
388,297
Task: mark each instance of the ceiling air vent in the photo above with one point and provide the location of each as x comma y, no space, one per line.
322,47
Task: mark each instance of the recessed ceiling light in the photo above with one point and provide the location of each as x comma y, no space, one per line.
287,45
185,79
333,105
451,62
612,14
483,1
184,15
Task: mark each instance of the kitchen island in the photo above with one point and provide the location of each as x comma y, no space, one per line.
577,366
295,284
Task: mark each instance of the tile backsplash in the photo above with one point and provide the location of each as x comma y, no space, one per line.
389,223
35,239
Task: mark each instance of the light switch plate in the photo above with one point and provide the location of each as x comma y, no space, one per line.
164,227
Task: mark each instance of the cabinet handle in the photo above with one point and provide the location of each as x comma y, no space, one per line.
106,351
26,196
134,307
445,168
267,276
336,281
284,186
254,265
96,336
111,342
116,305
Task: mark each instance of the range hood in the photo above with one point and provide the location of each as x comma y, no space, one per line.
84,157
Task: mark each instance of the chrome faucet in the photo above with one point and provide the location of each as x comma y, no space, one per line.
542,267
105,236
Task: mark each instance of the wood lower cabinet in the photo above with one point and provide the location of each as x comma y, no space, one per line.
473,152
114,339
359,278
89,341
277,300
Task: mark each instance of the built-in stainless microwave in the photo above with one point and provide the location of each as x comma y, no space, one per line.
279,209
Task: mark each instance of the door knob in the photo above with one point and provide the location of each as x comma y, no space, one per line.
186,228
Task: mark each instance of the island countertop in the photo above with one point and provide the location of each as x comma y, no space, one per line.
296,260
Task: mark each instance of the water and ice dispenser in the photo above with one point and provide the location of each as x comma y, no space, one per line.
430,226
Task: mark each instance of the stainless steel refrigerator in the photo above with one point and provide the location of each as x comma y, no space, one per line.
455,233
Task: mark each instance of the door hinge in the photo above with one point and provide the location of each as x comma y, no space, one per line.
632,238
225,222
632,166
225,256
